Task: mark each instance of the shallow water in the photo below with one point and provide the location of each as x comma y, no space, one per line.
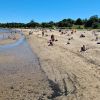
4,33
20,74
7,32
17,54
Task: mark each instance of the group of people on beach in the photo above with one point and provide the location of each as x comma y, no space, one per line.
62,32
52,38
83,48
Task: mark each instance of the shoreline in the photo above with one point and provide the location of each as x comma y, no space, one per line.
10,40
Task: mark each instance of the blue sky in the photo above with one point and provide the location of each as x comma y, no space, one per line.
47,10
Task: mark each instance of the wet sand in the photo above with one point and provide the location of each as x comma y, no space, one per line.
21,76
9,36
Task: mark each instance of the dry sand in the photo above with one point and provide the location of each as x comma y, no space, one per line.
76,74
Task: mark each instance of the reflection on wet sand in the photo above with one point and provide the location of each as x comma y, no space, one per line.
20,75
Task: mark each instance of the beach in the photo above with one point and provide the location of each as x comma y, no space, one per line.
8,37
32,70
77,74
21,77
50,50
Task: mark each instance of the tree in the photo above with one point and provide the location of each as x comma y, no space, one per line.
51,24
79,21
84,21
32,24
93,20
95,25
88,23
65,23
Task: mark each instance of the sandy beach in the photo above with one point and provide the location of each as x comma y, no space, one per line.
49,49
33,70
76,74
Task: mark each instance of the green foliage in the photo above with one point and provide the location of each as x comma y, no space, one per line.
79,22
65,23
92,22
32,24
78,27
12,25
96,25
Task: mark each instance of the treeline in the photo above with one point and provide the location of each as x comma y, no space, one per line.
93,22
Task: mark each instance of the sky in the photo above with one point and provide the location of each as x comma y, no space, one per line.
47,10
